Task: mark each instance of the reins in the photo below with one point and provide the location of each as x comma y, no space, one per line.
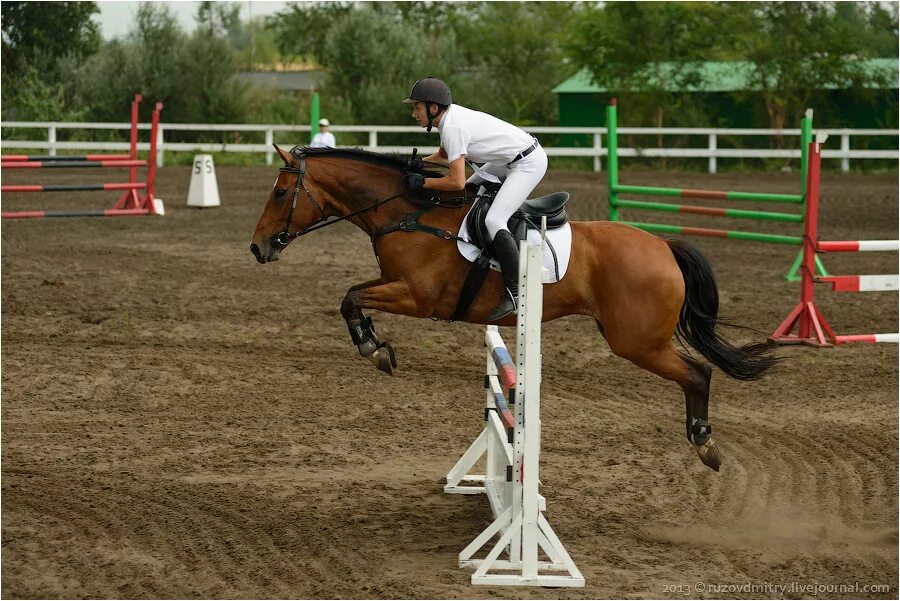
408,224
284,237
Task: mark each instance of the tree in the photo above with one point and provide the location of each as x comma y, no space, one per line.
305,27
218,18
42,32
210,90
193,75
372,83
514,56
798,48
654,48
40,39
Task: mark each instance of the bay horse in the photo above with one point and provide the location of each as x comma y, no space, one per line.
639,288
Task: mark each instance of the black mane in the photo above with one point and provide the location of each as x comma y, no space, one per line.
392,160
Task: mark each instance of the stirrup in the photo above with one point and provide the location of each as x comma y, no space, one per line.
509,305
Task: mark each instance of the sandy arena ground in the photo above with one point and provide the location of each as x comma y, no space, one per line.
181,422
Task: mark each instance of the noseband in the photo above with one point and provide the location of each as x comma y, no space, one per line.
284,237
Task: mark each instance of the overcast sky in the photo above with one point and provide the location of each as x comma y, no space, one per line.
116,18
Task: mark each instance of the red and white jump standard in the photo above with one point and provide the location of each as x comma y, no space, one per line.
130,203
510,444
812,329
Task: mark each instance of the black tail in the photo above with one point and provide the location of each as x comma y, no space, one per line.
699,317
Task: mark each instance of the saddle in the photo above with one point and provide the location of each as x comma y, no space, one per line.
528,216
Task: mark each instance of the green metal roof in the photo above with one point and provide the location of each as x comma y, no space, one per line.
718,77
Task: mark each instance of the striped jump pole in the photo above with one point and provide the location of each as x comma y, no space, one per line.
129,204
69,164
78,213
510,443
73,187
812,329
85,157
617,204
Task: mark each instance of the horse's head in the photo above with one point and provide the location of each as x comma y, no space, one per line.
345,183
291,208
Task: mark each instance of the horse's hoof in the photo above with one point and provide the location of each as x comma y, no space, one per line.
709,454
384,358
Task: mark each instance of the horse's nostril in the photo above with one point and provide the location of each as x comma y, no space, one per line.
255,250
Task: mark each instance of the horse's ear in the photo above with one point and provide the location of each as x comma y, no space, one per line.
284,156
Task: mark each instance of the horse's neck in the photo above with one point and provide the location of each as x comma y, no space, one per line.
358,195
354,195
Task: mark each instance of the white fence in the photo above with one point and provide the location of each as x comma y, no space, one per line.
289,135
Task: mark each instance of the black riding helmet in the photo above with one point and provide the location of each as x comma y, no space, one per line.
430,90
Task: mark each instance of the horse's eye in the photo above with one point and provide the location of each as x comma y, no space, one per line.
279,192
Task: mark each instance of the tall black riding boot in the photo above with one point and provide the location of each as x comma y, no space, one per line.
507,250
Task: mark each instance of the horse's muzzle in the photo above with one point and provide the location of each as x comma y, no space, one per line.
254,249
272,255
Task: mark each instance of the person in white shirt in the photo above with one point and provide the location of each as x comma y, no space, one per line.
504,150
323,139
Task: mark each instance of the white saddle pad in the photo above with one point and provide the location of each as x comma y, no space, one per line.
560,239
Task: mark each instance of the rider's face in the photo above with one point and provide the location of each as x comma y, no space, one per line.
419,114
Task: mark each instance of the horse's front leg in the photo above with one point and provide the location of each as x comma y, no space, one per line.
391,297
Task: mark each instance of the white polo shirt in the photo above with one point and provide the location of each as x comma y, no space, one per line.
323,139
481,137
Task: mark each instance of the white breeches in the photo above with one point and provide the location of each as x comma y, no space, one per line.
522,177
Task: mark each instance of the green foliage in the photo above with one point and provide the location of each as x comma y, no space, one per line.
256,44
798,48
795,49
38,33
372,83
38,100
500,57
511,48
649,48
193,75
303,29
39,40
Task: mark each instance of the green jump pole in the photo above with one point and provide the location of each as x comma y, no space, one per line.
793,274
711,233
710,211
612,160
614,189
314,116
710,194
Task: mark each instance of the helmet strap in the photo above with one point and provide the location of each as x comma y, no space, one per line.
430,118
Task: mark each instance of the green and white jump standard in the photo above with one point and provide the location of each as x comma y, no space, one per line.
616,203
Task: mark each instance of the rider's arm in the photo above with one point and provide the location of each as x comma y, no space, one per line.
439,157
455,180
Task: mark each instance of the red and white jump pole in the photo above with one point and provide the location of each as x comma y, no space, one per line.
812,329
130,203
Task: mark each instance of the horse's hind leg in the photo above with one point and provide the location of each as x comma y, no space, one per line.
693,377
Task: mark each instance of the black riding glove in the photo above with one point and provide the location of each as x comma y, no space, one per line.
416,164
414,181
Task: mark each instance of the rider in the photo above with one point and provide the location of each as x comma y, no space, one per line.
506,151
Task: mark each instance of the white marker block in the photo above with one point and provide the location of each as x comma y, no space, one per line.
204,190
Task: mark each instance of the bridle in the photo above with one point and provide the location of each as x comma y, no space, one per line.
284,237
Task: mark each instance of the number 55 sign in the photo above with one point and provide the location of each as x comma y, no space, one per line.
204,191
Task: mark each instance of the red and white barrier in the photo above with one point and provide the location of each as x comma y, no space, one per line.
870,338
130,203
861,283
856,246
812,329
510,443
